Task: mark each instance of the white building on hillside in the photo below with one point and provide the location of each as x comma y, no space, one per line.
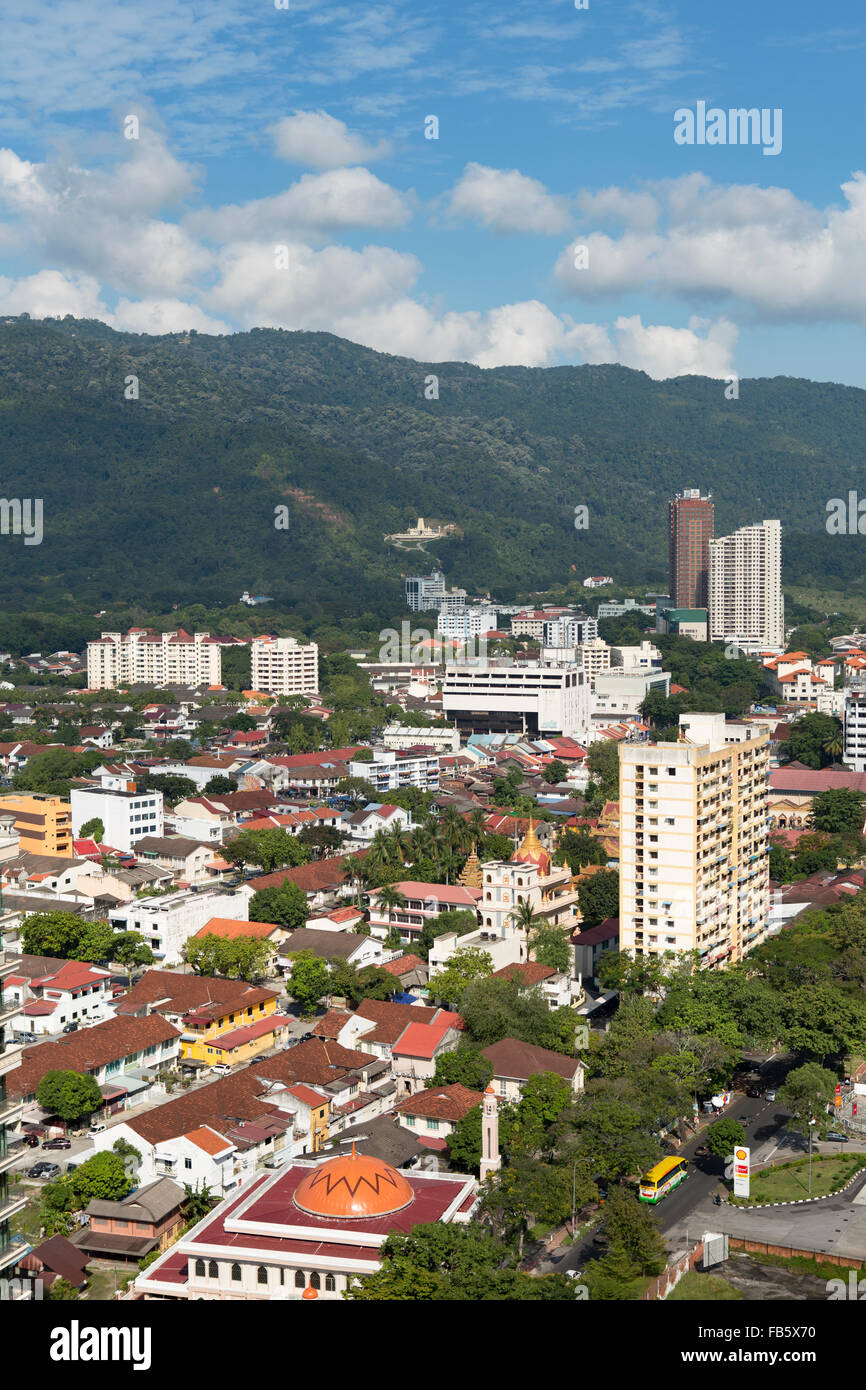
143,657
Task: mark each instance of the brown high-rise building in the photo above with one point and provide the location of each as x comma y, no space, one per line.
690,530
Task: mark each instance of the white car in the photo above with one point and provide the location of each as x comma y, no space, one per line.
770,1095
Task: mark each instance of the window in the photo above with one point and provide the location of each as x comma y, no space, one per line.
236,1273
432,1124
199,1269
213,1270
261,1275
187,1163
300,1282
315,1281
330,1283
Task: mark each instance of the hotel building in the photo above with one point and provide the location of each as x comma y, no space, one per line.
694,846
690,529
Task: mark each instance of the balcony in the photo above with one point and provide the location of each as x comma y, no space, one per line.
10,1111
10,1204
8,1011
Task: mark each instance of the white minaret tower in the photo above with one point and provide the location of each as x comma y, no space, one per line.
490,1160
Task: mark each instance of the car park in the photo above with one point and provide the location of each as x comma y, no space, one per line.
44,1170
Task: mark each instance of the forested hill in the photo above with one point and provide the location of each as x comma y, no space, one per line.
170,498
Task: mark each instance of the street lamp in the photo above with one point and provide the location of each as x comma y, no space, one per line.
811,1124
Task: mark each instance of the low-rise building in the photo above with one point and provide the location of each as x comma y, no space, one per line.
168,922
151,1218
514,1062
127,816
43,822
432,1114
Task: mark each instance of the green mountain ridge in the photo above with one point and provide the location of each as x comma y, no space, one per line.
171,498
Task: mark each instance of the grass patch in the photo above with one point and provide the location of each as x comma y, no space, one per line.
802,1264
703,1288
103,1279
789,1182
540,1230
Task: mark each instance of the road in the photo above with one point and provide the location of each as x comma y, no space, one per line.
688,1211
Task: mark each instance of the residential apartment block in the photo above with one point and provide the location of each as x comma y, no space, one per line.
284,666
143,657
12,1200
693,833
690,530
746,606
43,822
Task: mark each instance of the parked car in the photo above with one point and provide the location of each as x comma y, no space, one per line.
31,1140
71,1028
771,1095
755,1091
221,1068
835,1136
44,1170
57,1143
701,1151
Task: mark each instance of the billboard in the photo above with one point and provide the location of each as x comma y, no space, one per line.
742,1165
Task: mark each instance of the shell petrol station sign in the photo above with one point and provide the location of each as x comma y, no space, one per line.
742,1165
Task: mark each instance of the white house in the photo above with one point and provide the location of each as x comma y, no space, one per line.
167,923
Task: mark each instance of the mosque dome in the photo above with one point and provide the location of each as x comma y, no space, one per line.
353,1187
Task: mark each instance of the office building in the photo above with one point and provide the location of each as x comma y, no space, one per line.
425,591
284,666
690,530
746,607
693,841
143,657
493,697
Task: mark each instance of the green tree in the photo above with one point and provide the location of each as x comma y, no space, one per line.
68,1094
268,849
174,788
550,945
724,1136
390,899
219,784
839,811
577,849
555,772
57,1202
455,919
103,1177
598,898
130,950
285,905
808,738
466,965
629,1224
806,1093
465,1066
309,980
92,829
200,1200
603,762
61,1291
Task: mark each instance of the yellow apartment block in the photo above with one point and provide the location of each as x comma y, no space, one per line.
694,847
44,823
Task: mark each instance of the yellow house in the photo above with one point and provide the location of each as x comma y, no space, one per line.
319,1107
233,1031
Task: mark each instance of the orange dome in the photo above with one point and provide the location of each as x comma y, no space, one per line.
353,1187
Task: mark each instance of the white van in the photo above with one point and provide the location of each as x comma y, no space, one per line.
97,1126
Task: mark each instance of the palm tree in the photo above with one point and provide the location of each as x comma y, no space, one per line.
398,841
453,829
476,824
525,917
390,898
380,850
833,745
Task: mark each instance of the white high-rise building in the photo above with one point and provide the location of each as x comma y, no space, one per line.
694,867
284,666
464,623
746,607
144,657
854,721
517,697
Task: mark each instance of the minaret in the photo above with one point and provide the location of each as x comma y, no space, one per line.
490,1159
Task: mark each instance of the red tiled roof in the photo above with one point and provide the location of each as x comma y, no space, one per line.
531,972
441,1102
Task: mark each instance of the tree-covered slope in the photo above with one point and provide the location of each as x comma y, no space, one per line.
171,497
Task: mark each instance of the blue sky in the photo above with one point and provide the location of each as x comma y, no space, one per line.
304,128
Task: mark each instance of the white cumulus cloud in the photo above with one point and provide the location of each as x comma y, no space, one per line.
507,201
320,141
